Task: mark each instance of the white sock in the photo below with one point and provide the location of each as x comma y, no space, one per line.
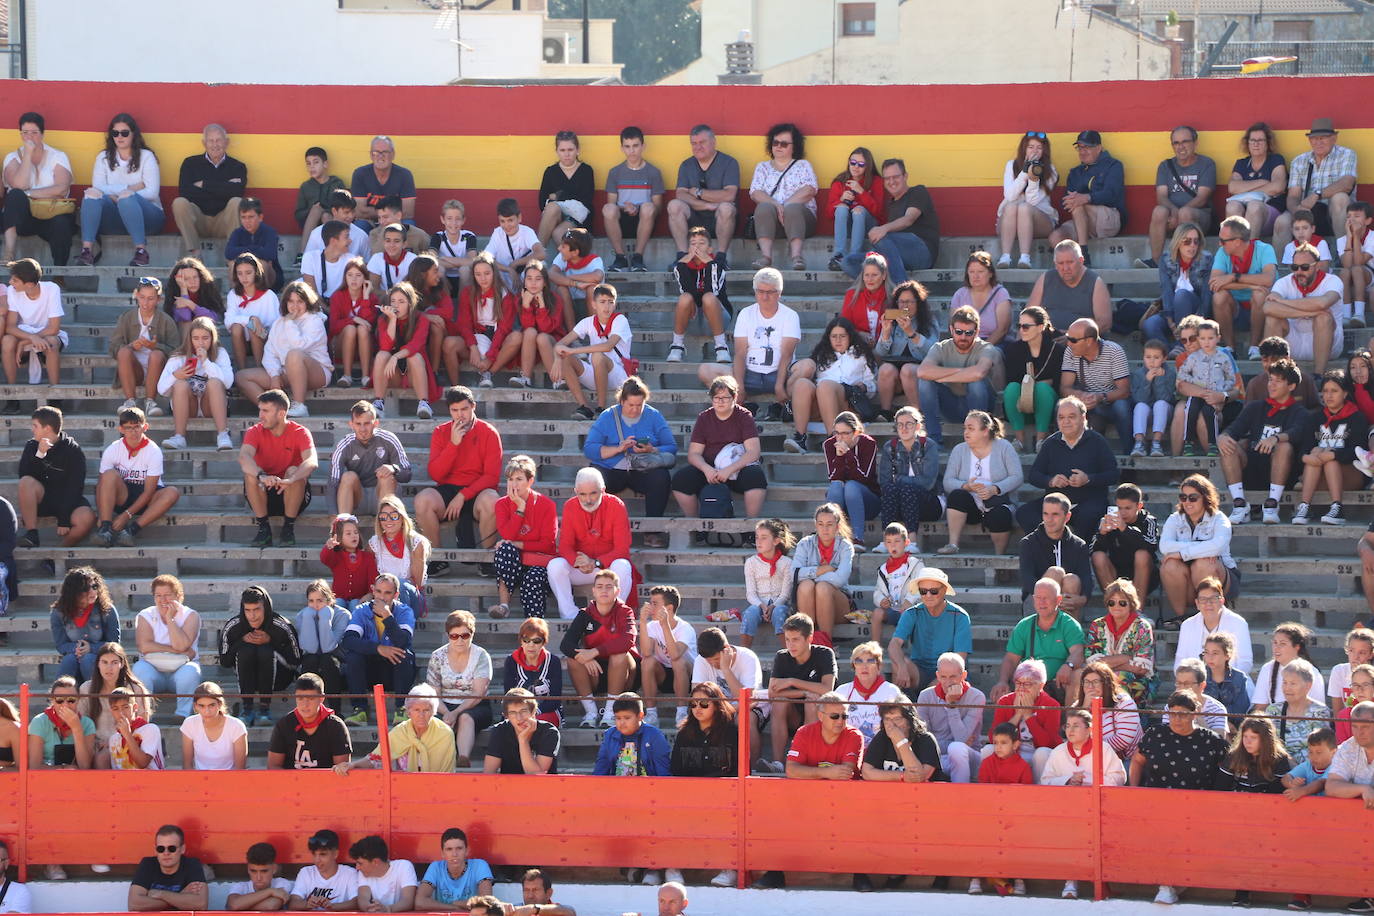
608,711
589,705
1358,308
1276,491
1237,491
679,340
720,340
681,714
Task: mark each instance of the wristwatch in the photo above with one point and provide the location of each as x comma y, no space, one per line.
1235,276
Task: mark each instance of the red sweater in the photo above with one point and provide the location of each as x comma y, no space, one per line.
341,311
467,319
537,529
1043,724
603,535
416,347
546,320
859,463
353,573
475,465
616,633
872,200
1007,771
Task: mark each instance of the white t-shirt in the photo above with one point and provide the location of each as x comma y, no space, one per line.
507,249
390,275
246,887
113,180
153,619
340,888
387,888
17,899
1263,697
149,740
34,314
333,273
135,468
1367,245
1287,288
1338,686
746,670
266,308
45,174
217,754
764,336
866,718
359,244
1323,251
682,632
620,327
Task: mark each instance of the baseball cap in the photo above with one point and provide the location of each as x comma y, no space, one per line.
1088,138
1321,126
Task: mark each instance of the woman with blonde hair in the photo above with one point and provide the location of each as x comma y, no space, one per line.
401,551
197,379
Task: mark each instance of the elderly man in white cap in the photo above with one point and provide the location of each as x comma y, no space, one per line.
930,626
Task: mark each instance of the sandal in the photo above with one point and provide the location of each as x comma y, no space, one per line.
499,611
761,262
799,263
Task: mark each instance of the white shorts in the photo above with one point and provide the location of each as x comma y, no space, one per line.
142,355
1300,343
483,346
614,380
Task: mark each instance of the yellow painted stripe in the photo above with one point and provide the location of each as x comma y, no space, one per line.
503,162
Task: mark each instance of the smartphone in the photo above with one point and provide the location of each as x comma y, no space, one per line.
894,314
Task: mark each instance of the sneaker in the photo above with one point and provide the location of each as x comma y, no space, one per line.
425,412
1253,354
559,385
102,869
1167,895
85,259
1138,450
772,413
583,412
880,548
1070,891
358,717
835,264
607,718
1364,461
379,405
1213,451
863,884
1241,898
652,878
1363,905
795,443
484,380
223,441
1300,902
1335,515
1240,512
344,381
1018,888
1157,449
436,568
651,718
521,381
263,538
140,258
588,721
769,880
1301,514
54,873
129,404
620,263
727,878
125,538
633,875
1270,512
1151,263
287,538
29,538
174,443
366,381
1189,450
975,885
1004,261
105,535
637,266
673,874
1024,262
722,354
774,766
675,353
298,409
249,718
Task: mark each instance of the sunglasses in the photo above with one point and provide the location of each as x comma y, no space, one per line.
1071,339
782,142
64,701
462,635
346,518
931,591
1118,604
1234,238
389,517
122,132
963,333
1026,327
857,163
1303,267
1188,338
166,848
1189,497
836,716
314,845
700,704
150,281
1036,134
532,640
1190,242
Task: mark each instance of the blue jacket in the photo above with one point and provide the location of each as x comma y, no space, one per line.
320,632
653,752
806,559
1104,182
650,427
361,634
1199,273
101,627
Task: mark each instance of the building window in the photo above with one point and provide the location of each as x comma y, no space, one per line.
858,19
1293,30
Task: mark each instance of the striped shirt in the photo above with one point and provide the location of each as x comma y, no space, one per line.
1101,374
1340,162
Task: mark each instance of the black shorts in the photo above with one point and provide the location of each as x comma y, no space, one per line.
691,481
276,502
1124,564
465,527
1257,472
481,714
1321,212
61,508
135,491
706,219
629,225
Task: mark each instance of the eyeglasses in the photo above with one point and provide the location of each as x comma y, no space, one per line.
857,163
932,591
1036,135
1122,603
1023,682
388,517
166,848
1303,267
1190,242
465,634
700,704
963,333
122,132
1207,599
1189,497
836,716
532,640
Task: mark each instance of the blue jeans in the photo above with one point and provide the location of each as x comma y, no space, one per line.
939,402
851,231
182,681
859,502
904,251
80,668
1186,302
136,215
753,616
361,671
1119,412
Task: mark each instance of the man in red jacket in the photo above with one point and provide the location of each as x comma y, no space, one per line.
595,534
465,465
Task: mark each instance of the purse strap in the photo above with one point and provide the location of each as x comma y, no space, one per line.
619,430
782,176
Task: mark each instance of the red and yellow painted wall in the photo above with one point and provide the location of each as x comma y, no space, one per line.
480,144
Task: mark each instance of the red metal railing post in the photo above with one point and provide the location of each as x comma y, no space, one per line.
21,854
1099,748
745,757
384,742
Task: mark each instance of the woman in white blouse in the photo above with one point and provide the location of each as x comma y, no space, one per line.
123,196
35,173
296,355
1026,213
784,191
197,378
401,551
212,739
460,672
167,634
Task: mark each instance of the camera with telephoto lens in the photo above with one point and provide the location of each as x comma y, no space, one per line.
1035,169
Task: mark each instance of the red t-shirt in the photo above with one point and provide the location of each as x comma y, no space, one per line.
809,748
1011,770
537,529
713,434
277,453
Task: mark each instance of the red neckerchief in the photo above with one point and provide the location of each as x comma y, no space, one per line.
1078,758
868,694
1183,266
1317,277
82,616
871,301
1242,265
134,451
696,264
581,263
63,729
894,564
827,553
604,332
1117,631
136,723
519,656
356,305
773,563
1276,406
940,689
398,549
1346,410
325,712
396,263
249,300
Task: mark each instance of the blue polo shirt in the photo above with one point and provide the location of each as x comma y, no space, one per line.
927,637
1264,256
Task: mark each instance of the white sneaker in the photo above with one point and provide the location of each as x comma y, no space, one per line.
652,878
608,720
1270,514
1018,888
681,716
1004,261
224,442
484,381
727,878
204,867
129,404
1301,514
1023,262
521,381
633,875
151,409
879,548
673,874
651,718
298,409
560,385
424,411
54,873
589,720
379,405
1240,513
174,443
1253,354
105,870
1364,461
975,885
1166,895
366,382
1070,891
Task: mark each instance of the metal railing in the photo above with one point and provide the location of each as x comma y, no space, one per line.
1313,57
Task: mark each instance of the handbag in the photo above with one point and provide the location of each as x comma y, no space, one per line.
646,461
750,232
48,207
165,662
1025,403
860,402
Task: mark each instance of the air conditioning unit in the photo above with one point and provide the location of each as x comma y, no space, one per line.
555,51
